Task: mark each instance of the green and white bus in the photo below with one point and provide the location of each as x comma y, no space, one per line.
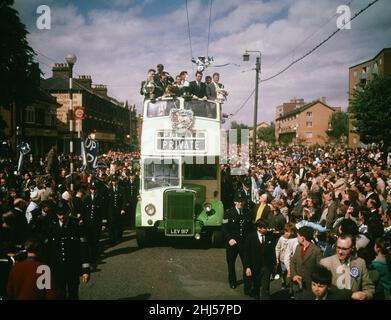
180,172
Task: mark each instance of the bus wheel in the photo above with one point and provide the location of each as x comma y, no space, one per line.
217,238
142,237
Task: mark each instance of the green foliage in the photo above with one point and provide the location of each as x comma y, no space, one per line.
339,126
267,134
286,139
371,108
238,127
19,75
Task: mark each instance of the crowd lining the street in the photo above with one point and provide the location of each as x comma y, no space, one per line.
323,215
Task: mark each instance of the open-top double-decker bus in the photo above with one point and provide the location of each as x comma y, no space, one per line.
180,174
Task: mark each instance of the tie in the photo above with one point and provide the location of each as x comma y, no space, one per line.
240,211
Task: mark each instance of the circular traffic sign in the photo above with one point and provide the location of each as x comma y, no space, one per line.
78,113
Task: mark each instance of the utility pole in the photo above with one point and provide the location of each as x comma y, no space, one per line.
71,60
246,57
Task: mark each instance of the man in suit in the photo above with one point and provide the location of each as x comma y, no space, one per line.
260,258
349,271
212,89
262,210
301,172
198,88
322,289
329,211
160,73
116,210
370,188
237,225
307,255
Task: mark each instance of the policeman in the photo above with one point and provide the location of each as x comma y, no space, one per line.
131,188
246,190
67,253
237,223
116,210
92,219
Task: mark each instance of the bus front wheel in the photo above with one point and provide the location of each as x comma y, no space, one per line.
217,238
143,237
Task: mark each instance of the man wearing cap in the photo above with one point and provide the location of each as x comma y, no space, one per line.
116,211
130,187
92,219
246,191
237,224
67,253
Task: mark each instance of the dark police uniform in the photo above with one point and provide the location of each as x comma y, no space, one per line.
115,206
131,191
67,256
237,224
93,218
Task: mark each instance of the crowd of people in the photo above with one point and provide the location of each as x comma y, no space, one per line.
318,218
50,218
160,83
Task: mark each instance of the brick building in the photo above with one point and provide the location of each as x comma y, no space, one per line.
106,117
307,124
359,75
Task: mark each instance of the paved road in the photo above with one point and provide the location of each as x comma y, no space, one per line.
185,270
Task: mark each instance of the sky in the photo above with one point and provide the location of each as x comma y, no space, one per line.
117,41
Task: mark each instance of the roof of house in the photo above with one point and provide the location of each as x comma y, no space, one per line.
303,108
43,96
62,84
369,60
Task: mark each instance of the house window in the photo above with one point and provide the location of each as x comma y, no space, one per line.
308,135
355,74
309,124
30,114
309,114
48,118
39,116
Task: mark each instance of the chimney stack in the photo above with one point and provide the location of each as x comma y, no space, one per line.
85,81
60,70
100,89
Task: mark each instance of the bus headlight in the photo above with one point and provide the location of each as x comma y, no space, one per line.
150,209
207,207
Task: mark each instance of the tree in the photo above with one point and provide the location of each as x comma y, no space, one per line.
371,110
19,75
339,126
238,127
267,134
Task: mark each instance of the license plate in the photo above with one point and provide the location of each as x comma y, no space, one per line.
179,231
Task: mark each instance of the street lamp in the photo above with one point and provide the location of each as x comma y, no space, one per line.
71,60
246,57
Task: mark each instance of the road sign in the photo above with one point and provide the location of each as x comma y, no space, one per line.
78,113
